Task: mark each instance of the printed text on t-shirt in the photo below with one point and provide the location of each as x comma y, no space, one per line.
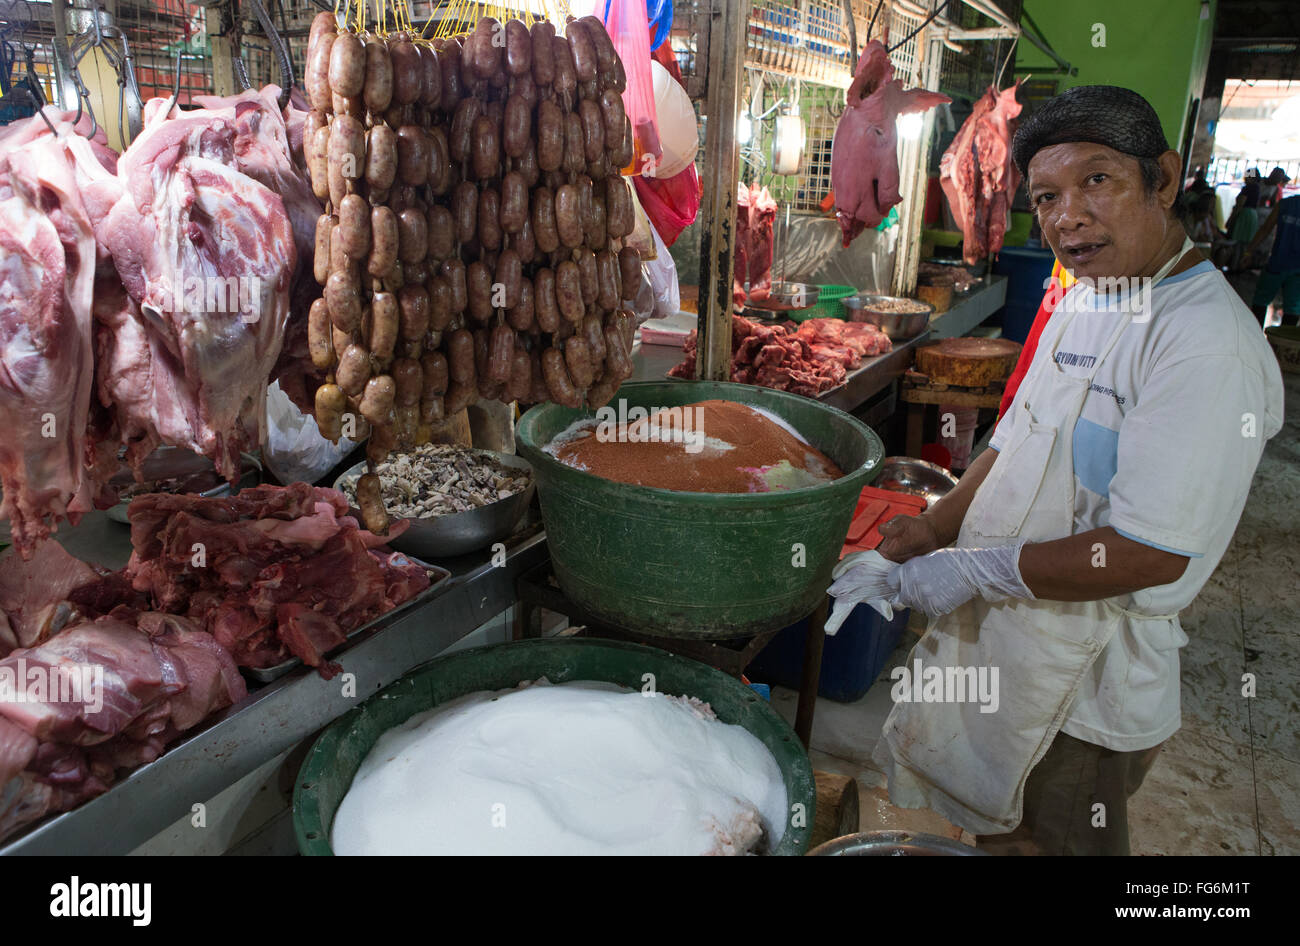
1074,360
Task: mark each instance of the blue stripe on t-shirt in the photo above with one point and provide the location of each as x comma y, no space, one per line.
1155,545
1096,455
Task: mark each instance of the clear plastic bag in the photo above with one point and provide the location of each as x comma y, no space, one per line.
629,27
294,450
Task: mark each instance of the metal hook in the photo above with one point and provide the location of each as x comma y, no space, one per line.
176,84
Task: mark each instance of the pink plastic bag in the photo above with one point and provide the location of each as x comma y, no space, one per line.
629,28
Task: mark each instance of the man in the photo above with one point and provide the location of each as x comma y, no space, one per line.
1111,489
1283,268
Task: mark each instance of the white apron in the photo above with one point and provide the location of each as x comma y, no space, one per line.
970,766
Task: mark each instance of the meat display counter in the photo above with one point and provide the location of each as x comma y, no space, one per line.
273,718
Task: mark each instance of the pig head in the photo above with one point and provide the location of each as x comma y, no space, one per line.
864,155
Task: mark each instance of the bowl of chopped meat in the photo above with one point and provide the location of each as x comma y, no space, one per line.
457,499
897,317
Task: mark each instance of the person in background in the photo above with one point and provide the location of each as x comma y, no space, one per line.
1243,222
1270,190
1282,271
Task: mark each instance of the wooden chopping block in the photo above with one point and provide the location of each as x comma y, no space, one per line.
968,362
837,807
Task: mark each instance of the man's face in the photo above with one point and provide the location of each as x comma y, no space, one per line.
1094,212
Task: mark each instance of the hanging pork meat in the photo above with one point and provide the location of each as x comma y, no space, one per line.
864,154
978,175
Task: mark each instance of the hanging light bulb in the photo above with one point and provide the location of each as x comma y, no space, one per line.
788,143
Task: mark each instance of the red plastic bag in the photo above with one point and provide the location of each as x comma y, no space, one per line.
629,28
671,203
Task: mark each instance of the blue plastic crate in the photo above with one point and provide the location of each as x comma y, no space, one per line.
852,659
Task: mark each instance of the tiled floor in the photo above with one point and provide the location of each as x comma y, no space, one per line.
1228,782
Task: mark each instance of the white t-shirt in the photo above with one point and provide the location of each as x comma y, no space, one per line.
1164,452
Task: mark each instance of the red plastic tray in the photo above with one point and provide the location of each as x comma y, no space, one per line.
874,507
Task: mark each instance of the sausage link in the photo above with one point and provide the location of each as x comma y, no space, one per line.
587,279
538,391
575,159
320,341
325,225
460,138
460,356
524,243
441,231
433,365
385,325
593,130
519,48
409,380
331,402
478,283
440,170
558,383
545,231
521,375
453,271
412,155
344,300
501,353
566,79
347,146
568,292
520,315
347,69
613,115
602,45
568,216
408,76
378,90
597,234
593,330
413,309
489,219
412,236
577,358
316,76
621,147
550,136
384,241
514,202
354,226
485,149
354,369
439,303
543,32
629,272
431,69
489,51
377,400
546,311
517,126
607,281
318,168
453,85
619,220
584,54
381,159
464,211
509,275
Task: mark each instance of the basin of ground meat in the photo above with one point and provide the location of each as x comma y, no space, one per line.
707,447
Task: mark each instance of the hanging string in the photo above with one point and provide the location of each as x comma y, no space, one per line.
924,23
997,83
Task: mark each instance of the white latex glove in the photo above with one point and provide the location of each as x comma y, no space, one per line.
941,582
862,576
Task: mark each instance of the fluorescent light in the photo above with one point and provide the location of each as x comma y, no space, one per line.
909,126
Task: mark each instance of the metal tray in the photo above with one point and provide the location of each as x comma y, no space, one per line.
437,577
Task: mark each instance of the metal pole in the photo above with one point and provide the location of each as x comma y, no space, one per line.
63,84
727,25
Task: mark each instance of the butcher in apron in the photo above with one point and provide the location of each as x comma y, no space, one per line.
1053,573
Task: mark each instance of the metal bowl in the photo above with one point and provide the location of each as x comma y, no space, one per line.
895,844
788,297
459,533
899,326
915,477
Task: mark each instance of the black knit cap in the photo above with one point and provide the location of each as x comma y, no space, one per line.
1105,114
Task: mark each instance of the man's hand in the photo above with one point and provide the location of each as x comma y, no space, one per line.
906,537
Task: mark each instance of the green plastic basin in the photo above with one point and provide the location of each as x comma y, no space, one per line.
699,565
327,773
